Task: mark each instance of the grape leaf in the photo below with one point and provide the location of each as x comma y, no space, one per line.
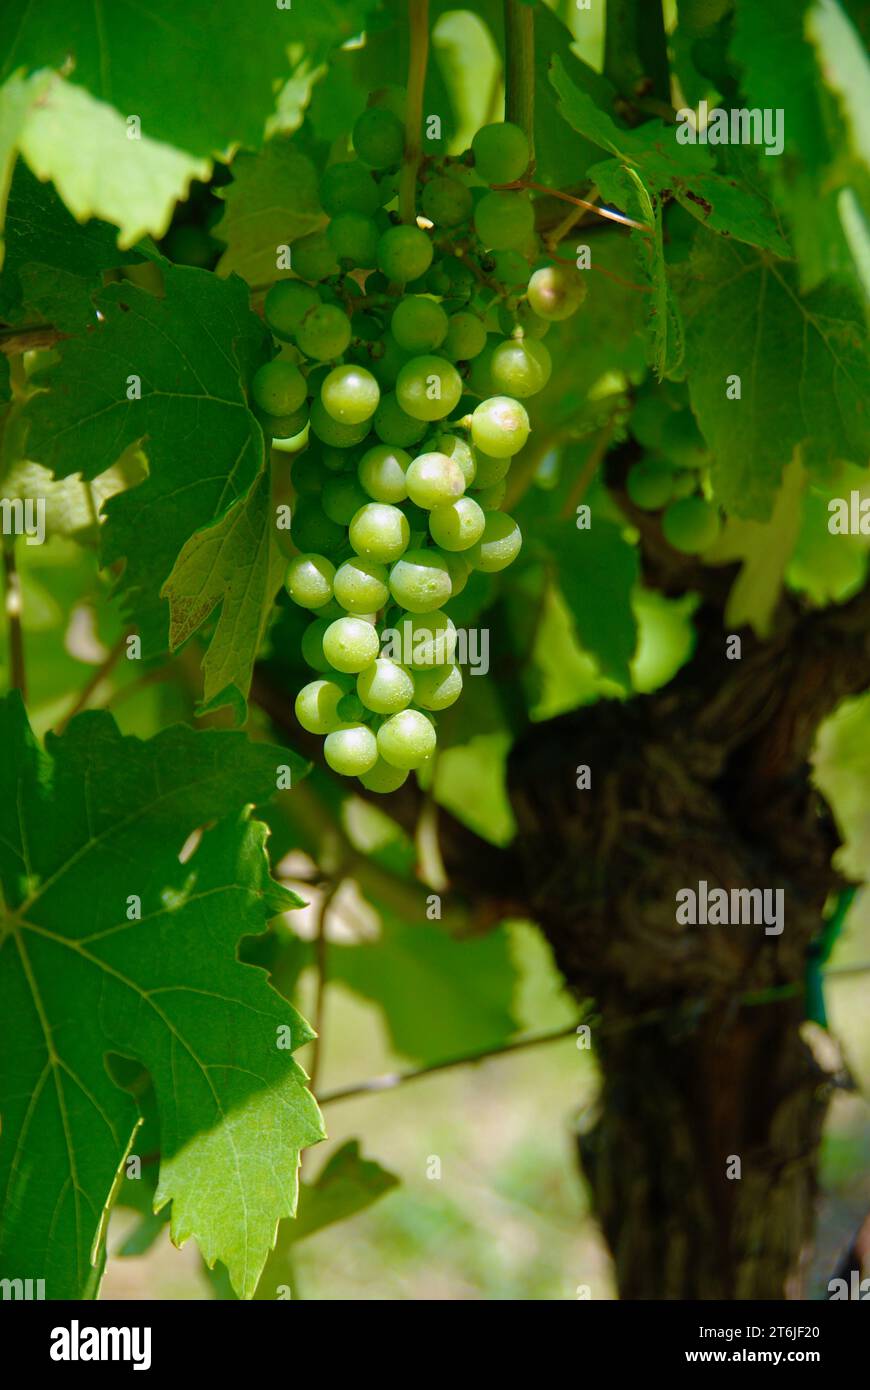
237,563
596,571
80,979
191,350
805,377
272,200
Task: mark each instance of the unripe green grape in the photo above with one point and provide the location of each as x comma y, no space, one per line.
427,639
378,137
404,253
459,570
394,426
434,480
312,530
501,152
347,187
352,751
461,282
286,304
307,475
446,201
383,779
333,432
385,687
460,451
324,332
361,586
489,499
336,459
309,580
312,645
500,426
278,388
420,581
354,237
684,484
428,388
650,484
382,473
387,367
490,471
350,644
691,525
466,337
351,709
379,532
437,688
342,498
317,706
457,526
511,268
281,427
498,546
556,292
532,324
406,739
504,220
350,394
480,377
418,324
520,368
313,258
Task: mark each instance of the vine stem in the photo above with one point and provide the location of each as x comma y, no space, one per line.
18,673
418,23
519,79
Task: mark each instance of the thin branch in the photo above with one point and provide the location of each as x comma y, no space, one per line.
418,23
17,670
96,679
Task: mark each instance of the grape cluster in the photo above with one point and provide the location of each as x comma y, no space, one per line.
408,349
689,522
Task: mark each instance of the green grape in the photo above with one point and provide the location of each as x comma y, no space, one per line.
350,394
418,324
404,253
520,368
350,644
383,778
498,546
684,484
501,152
466,337
691,525
446,202
457,526
385,687
490,470
333,432
348,187
427,639
420,581
285,305
342,497
379,137
351,751
394,426
480,378
307,475
532,324
511,268
312,530
406,739
317,706
309,580
351,709
504,220
313,258
500,427
187,245
324,332
434,480
336,459
379,532
382,472
282,427
650,484
387,367
428,388
354,237
459,570
556,292
459,276
361,585
278,388
461,453
489,499
312,645
438,688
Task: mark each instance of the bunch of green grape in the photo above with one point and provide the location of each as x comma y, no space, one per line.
689,522
408,351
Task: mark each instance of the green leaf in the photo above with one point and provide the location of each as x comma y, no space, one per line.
191,349
80,979
841,770
802,364
235,563
596,571
272,201
685,171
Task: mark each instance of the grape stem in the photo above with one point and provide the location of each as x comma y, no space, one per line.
519,80
418,24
